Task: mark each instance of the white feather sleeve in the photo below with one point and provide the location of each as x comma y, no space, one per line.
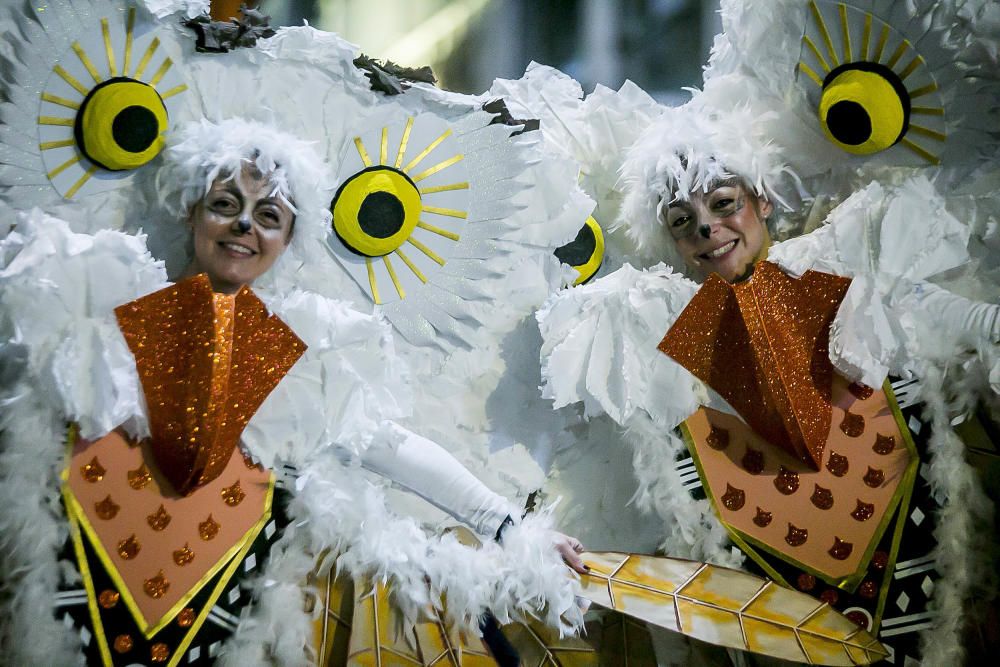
599,347
58,290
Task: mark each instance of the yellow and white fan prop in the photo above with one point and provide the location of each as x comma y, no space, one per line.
92,88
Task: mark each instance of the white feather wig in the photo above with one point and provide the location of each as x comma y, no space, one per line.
686,150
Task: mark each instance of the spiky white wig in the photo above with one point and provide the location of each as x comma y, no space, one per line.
202,151
686,150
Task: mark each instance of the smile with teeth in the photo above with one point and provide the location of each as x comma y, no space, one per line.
239,249
719,252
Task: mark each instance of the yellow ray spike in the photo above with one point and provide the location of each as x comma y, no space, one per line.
927,132
383,153
371,281
71,80
129,36
438,167
927,111
819,56
49,145
919,92
85,59
880,47
424,153
866,37
811,74
62,101
424,249
922,152
53,120
897,54
360,145
821,24
464,185
914,64
64,166
395,279
161,72
450,212
402,142
413,267
146,57
176,90
846,31
108,49
79,184
437,230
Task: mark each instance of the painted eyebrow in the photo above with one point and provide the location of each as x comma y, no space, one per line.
731,182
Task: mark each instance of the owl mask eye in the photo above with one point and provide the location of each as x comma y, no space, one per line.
585,253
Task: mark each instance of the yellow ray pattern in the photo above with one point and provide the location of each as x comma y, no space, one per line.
176,90
424,249
437,230
880,47
424,153
819,56
927,111
450,212
898,53
866,37
846,31
922,152
383,153
129,37
62,101
927,132
161,72
821,24
919,92
464,185
64,166
53,120
109,51
402,142
85,59
394,277
146,57
808,71
438,167
372,282
79,184
914,64
360,145
49,145
413,267
71,80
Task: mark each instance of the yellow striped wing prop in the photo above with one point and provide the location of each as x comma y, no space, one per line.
727,608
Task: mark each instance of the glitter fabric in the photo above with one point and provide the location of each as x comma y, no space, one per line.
796,537
868,589
852,425
129,548
208,528
159,652
874,477
93,471
733,499
822,498
159,519
108,598
829,596
862,392
186,617
884,444
206,363
838,464
156,587
139,478
762,518
806,582
233,495
123,643
718,438
183,556
753,461
787,481
841,550
107,509
763,346
863,511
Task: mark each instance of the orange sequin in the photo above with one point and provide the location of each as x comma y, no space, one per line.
129,548
159,652
773,334
233,495
186,617
206,363
93,472
183,556
208,528
156,587
123,643
139,478
108,598
106,509
159,519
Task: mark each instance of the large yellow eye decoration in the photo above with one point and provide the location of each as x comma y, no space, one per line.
871,88
402,206
106,107
585,253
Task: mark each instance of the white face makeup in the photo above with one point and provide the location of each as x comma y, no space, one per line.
239,230
720,231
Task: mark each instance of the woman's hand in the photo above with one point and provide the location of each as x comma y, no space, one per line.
570,549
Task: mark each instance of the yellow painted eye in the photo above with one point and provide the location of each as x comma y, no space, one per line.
864,108
584,253
120,124
376,210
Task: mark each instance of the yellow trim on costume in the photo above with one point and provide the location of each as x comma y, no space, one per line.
88,582
372,282
437,230
920,92
751,544
897,54
882,39
927,111
866,37
808,71
97,123
161,71
413,267
54,120
49,145
63,167
438,167
146,57
402,142
352,195
394,277
383,152
81,181
360,145
176,90
109,51
590,267
821,24
921,151
914,64
71,80
819,56
424,153
846,32
424,249
62,101
927,132
129,37
85,59
449,212
464,185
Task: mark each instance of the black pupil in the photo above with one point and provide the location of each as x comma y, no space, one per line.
381,215
135,129
579,250
849,123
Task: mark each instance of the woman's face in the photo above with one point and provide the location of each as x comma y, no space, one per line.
721,231
239,230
